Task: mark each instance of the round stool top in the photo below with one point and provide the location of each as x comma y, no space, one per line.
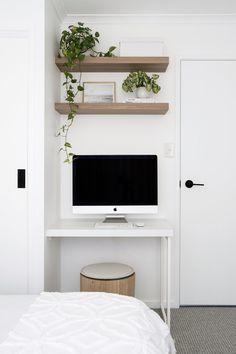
107,271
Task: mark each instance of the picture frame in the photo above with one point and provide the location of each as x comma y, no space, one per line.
99,92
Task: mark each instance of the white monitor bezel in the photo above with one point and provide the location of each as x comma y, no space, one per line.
115,210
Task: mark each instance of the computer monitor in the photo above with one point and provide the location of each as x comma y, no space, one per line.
115,184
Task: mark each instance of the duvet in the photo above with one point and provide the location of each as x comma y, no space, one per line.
88,323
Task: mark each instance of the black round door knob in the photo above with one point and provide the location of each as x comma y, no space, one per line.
190,184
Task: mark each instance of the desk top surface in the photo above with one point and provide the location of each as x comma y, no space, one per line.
87,228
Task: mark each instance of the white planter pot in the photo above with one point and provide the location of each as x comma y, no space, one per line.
141,92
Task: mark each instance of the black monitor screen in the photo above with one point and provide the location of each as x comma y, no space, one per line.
114,180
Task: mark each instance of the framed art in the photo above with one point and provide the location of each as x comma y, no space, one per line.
99,92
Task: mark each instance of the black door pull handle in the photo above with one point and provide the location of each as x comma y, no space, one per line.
20,178
190,184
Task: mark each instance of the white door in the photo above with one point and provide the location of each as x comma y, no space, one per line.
208,156
14,66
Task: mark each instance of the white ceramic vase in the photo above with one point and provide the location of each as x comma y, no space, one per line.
141,92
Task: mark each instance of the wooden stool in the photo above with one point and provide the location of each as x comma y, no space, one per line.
108,277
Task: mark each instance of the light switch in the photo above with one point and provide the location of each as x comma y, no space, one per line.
169,149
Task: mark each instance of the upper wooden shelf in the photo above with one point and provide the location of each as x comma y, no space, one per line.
116,64
113,108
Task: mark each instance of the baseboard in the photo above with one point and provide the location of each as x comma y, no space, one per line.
153,304
156,304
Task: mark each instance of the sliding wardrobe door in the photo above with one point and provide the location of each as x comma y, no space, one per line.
208,182
14,66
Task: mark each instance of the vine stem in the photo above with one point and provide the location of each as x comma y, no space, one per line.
70,121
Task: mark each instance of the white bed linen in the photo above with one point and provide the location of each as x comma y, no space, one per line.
88,323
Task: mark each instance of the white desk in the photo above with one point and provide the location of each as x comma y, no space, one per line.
152,228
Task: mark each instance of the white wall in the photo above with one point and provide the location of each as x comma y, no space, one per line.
185,37
52,123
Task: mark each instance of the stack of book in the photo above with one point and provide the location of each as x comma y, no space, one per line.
141,100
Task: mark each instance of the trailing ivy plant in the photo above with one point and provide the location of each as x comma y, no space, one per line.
141,79
74,44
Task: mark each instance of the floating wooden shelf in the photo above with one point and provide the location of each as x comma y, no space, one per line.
116,64
113,108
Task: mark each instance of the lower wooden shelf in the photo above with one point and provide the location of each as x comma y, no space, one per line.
113,108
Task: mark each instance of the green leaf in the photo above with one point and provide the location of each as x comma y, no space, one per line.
81,57
67,74
124,87
80,88
67,161
97,34
71,115
70,93
67,145
70,99
155,76
146,79
112,48
155,88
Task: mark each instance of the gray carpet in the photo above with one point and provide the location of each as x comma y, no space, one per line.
204,330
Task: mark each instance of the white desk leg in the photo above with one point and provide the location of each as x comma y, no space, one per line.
163,277
168,279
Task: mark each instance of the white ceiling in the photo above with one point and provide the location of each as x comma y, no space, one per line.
149,6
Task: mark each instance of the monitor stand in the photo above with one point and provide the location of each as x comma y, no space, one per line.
119,219
114,222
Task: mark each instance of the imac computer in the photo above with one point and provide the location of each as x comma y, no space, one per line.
115,185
